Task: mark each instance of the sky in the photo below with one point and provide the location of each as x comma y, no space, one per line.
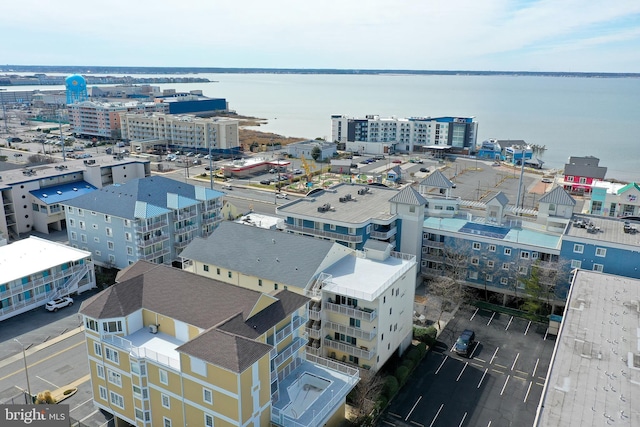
501,35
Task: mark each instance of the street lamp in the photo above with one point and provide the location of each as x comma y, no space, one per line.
26,371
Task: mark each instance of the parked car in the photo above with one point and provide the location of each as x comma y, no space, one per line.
297,171
281,196
465,342
424,170
265,182
397,161
58,303
272,170
547,180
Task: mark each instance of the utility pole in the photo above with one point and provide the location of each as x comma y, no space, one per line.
4,112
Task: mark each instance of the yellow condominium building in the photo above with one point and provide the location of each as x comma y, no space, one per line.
170,348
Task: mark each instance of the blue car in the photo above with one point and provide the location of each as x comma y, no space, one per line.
465,343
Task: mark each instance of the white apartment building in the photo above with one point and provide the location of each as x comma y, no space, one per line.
102,119
405,134
36,270
182,131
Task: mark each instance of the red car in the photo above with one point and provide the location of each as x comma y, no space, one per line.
397,161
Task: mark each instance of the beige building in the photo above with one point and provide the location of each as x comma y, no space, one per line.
361,305
182,131
102,119
170,348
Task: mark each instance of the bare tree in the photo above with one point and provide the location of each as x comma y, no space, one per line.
366,394
448,294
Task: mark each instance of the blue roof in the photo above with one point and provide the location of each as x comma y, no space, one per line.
63,192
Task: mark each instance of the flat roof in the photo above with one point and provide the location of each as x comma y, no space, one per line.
523,236
63,192
358,211
32,255
594,378
158,346
611,230
365,278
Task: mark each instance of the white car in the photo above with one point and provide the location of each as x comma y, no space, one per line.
281,196
56,304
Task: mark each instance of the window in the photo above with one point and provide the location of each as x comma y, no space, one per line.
352,231
490,264
113,326
83,238
473,275
205,267
569,178
74,236
476,246
164,378
80,212
578,249
576,263
275,286
207,395
127,236
111,355
97,349
93,213
208,420
602,252
259,282
110,245
109,232
524,255
166,402
492,248
91,324
475,260
522,270
505,265
229,274
412,209
100,371
354,323
166,422
107,218
72,222
488,278
218,271
368,229
598,267
332,227
115,378
81,225
127,223
129,250
504,281
507,251
70,209
103,393
117,400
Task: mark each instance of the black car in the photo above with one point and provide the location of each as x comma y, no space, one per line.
424,170
265,182
465,342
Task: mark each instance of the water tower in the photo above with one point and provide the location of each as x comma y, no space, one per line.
76,89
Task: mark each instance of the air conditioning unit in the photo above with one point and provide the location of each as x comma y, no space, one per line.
153,329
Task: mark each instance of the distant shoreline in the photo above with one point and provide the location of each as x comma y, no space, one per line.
93,70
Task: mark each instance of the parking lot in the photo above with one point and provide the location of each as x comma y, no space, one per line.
500,384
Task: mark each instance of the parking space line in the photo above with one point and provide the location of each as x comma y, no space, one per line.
509,324
505,384
462,420
414,407
541,385
474,313
533,374
500,366
527,330
545,335
497,372
440,367
526,396
416,423
436,416
514,362
460,374
542,378
482,379
489,322
395,415
494,355
522,372
520,378
480,360
477,364
474,349
88,416
86,401
48,382
489,425
387,422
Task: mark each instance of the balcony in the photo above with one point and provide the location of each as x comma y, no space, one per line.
141,352
433,257
353,332
362,351
357,313
143,243
152,255
296,345
328,234
432,243
384,235
287,330
143,227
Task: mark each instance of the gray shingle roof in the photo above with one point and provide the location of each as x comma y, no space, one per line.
589,171
144,196
501,198
409,196
201,302
438,180
558,196
269,254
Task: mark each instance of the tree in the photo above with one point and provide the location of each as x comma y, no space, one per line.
448,294
540,285
366,394
316,153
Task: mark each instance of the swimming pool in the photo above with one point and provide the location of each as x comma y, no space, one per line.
303,392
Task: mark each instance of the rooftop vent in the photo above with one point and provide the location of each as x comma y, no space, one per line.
324,208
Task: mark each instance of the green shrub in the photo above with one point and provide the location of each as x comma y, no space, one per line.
413,355
409,364
422,350
402,373
391,387
382,402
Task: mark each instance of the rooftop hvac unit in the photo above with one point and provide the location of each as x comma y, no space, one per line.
153,329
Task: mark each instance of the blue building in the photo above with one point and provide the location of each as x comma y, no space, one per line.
150,219
193,103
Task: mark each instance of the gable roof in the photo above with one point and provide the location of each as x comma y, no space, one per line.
223,310
143,197
268,254
628,187
409,196
558,196
500,197
438,180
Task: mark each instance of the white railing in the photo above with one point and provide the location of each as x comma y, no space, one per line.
349,349
384,234
357,313
313,351
142,227
313,333
314,290
141,352
68,286
287,330
351,331
331,235
296,345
